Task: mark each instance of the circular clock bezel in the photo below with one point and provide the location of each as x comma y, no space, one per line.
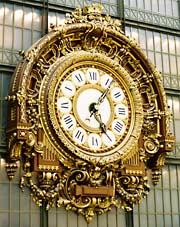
59,138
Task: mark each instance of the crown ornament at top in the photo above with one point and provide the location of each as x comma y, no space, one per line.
91,13
93,9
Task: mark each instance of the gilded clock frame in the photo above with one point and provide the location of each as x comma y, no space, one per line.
57,174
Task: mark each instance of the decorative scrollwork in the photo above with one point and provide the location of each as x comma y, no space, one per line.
131,190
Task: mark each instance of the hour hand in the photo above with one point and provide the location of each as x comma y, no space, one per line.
101,124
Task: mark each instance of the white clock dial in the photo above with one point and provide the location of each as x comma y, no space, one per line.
117,94
79,135
118,126
92,75
68,122
121,111
84,100
94,141
68,88
78,78
64,105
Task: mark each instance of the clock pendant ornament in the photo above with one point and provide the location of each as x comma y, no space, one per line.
87,111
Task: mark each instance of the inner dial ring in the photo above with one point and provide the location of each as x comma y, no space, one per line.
86,97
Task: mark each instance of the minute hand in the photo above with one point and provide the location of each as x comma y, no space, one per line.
103,95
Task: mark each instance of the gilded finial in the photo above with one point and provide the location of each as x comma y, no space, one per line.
92,9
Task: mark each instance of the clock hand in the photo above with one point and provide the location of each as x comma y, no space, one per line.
103,95
98,118
102,125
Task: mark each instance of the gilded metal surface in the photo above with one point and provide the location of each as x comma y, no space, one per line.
56,169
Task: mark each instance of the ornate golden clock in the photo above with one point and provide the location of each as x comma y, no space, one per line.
87,112
93,109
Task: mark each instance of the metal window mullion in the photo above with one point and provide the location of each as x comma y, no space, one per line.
45,17
169,60
10,193
13,32
130,219
23,17
170,191
3,34
163,216
178,188
32,25
155,211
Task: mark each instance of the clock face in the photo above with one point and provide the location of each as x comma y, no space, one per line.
91,109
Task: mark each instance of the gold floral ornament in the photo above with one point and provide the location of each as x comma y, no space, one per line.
87,115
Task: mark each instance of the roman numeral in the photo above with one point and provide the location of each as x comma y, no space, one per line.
121,111
117,95
93,75
65,105
79,135
118,127
107,81
79,77
68,121
95,141
68,88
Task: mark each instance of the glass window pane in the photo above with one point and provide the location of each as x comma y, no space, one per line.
151,56
17,38
157,41
158,61
142,39
1,36
165,63
132,3
171,44
176,107
173,64
159,201
167,220
37,20
8,34
162,7
27,18
8,14
165,177
140,4
1,13
175,9
60,19
148,5
177,40
173,177
177,127
36,36
167,201
18,17
164,43
27,41
155,6
134,33
178,64
150,44
168,8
